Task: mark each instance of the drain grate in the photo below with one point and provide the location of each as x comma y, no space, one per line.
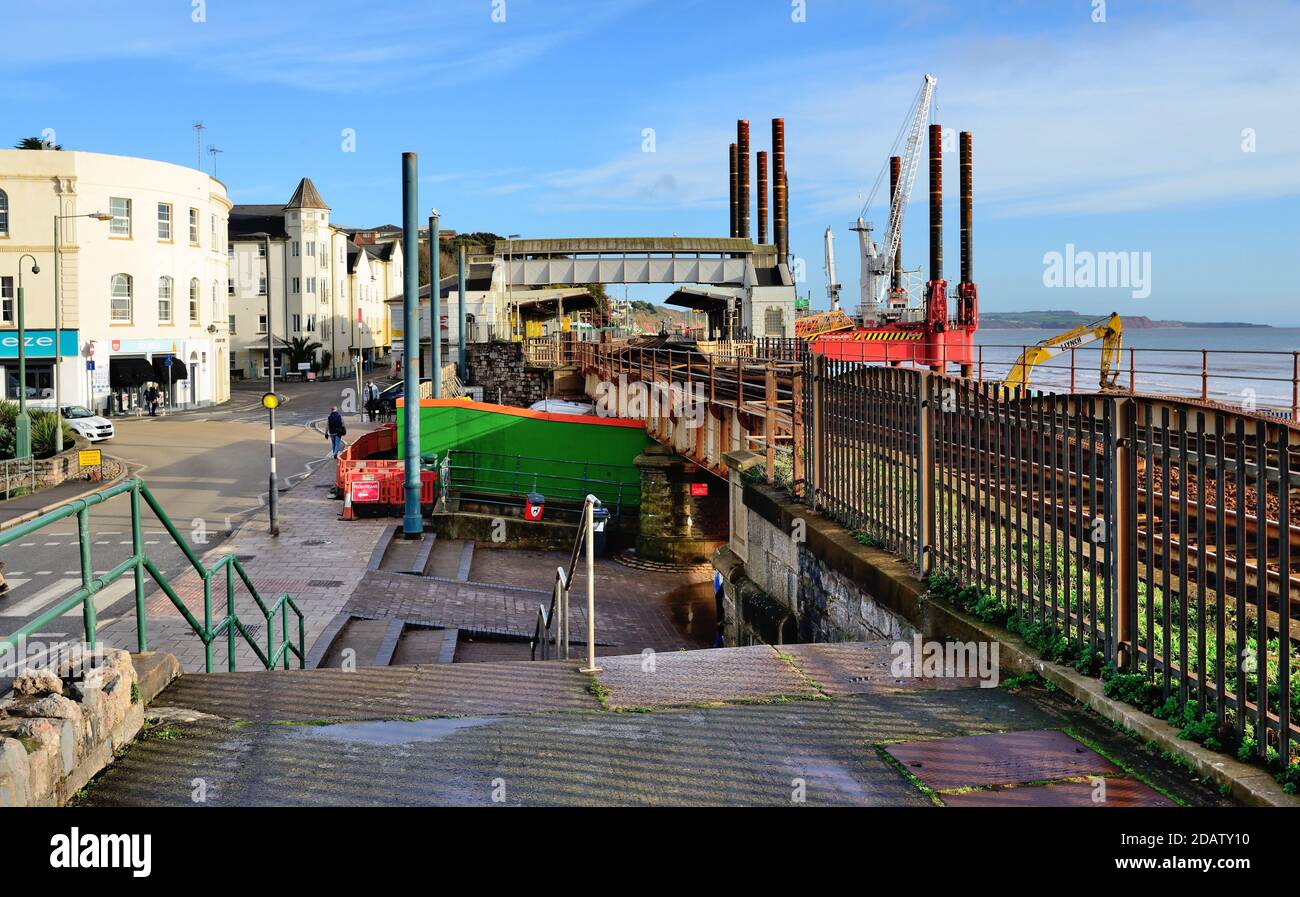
316,542
324,583
245,558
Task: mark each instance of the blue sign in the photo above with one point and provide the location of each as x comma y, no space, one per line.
90,365
40,344
168,361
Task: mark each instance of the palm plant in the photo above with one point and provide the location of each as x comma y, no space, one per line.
301,349
36,143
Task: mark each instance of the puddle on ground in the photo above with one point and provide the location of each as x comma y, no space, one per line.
383,732
693,610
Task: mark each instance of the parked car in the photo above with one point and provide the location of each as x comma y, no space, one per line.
388,397
87,424
563,406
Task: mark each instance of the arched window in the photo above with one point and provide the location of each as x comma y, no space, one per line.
194,300
4,214
120,308
164,300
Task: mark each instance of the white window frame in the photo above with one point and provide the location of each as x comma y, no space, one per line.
194,227
6,299
194,300
120,226
166,289
114,316
261,323
4,214
165,221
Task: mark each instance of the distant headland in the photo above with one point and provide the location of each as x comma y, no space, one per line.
1064,320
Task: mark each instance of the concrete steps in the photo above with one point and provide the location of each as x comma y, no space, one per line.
388,692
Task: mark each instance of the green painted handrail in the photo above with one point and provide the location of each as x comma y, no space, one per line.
140,563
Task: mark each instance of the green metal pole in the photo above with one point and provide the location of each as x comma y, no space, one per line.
435,304
412,522
460,286
87,576
137,552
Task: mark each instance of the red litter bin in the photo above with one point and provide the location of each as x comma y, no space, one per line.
534,502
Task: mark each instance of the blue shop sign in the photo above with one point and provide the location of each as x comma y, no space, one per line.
40,344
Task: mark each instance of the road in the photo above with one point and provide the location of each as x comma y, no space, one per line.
209,470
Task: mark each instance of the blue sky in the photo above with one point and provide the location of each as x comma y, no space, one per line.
1120,135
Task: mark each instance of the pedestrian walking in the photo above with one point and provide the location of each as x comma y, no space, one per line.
371,401
335,430
151,399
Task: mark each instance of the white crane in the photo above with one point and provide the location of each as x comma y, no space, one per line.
832,283
878,262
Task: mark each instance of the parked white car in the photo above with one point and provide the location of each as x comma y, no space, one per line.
87,424
562,406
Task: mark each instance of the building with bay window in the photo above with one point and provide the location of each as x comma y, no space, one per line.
142,293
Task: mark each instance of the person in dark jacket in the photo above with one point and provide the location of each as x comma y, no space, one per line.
151,399
335,430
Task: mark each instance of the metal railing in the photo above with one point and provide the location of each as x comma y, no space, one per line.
557,615
139,563
514,476
17,473
1153,534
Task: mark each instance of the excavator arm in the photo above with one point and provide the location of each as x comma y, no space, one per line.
1109,330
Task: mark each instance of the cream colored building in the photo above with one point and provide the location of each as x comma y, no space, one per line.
294,275
144,287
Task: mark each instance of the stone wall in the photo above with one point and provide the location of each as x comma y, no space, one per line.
499,368
63,725
789,590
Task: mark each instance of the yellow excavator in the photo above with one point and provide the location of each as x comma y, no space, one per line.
1109,330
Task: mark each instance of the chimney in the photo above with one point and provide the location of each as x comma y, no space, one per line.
742,156
936,290
936,203
735,199
965,162
968,313
895,171
762,196
779,194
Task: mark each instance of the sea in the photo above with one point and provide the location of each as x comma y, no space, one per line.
1245,364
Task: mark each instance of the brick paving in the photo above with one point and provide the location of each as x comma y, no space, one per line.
635,609
319,577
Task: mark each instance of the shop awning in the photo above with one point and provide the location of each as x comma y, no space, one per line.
178,369
126,373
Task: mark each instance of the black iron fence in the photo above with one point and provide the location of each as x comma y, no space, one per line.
1153,535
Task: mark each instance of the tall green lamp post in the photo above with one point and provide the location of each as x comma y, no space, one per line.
58,322
23,425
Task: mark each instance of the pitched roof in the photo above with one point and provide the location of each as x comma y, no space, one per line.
306,197
381,251
246,220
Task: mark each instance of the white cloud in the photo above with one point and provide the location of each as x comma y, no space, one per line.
1108,118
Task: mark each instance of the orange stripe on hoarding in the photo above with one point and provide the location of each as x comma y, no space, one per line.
528,412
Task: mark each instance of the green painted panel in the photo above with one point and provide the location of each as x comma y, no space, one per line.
512,454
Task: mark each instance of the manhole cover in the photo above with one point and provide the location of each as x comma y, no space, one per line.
1009,759
316,542
1111,792
324,583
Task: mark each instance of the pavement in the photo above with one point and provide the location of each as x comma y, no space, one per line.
734,726
208,469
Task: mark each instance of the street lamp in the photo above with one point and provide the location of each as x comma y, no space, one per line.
23,424
58,324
